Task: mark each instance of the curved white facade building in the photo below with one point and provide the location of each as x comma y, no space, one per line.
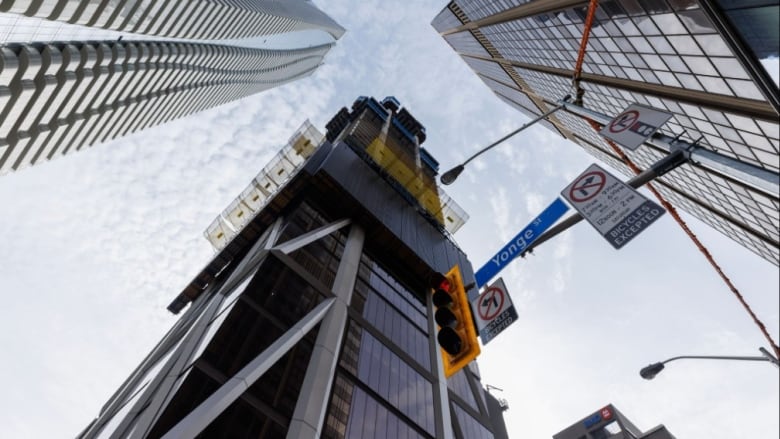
77,73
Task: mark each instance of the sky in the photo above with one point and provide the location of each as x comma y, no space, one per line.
95,245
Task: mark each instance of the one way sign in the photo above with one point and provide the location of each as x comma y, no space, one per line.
493,311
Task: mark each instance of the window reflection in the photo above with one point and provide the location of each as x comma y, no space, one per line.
458,383
469,426
371,420
390,393
410,393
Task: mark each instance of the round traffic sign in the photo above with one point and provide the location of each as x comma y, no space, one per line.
587,186
623,121
491,302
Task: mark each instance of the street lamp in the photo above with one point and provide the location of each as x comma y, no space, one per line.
649,372
450,176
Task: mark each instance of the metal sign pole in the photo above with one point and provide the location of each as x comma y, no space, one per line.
659,168
760,179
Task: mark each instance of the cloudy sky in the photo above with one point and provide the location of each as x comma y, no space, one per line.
95,245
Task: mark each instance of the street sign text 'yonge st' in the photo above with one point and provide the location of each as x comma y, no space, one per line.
521,241
615,209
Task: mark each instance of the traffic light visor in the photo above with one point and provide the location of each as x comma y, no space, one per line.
457,336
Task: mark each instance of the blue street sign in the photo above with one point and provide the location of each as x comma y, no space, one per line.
519,243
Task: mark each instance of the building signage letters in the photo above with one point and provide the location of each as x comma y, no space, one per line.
521,241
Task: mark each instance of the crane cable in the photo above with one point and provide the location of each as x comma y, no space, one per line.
579,92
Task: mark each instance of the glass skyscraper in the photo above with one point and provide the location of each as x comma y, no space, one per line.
77,73
314,318
708,63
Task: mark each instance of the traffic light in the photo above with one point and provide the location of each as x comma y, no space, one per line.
457,336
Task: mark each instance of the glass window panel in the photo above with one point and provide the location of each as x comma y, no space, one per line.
369,421
608,59
654,62
661,45
628,28
713,45
705,126
669,23
676,64
684,45
769,159
466,43
458,384
743,123
471,428
636,61
641,44
770,129
716,116
745,89
696,22
609,44
415,393
624,45
729,67
633,74
680,5
646,26
649,76
715,85
689,81
621,59
667,78
729,134
632,7
593,57
743,152
700,65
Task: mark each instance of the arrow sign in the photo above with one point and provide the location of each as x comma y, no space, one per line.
519,243
488,302
494,311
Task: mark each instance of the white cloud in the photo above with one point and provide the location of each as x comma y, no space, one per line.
95,245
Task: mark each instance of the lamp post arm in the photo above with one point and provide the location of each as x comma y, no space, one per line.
715,357
489,147
651,370
450,176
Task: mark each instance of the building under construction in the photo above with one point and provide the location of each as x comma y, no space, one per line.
315,318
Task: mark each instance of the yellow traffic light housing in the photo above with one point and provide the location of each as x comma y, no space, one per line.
457,336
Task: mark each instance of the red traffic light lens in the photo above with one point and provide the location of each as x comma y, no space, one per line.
439,281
